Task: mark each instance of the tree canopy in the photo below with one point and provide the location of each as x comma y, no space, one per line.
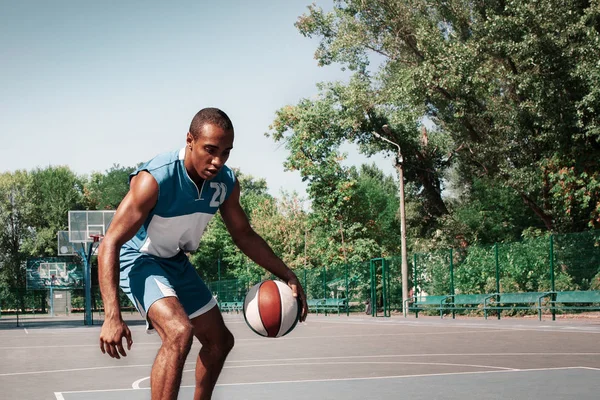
496,91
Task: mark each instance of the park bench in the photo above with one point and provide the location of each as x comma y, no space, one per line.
313,304
467,302
336,305
514,301
425,303
231,306
574,300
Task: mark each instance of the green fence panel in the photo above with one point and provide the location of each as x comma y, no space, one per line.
524,266
474,270
433,273
577,261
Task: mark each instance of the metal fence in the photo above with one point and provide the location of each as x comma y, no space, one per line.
549,263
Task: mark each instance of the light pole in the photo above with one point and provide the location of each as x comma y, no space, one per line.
400,167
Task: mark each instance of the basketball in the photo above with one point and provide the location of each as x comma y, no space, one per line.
270,309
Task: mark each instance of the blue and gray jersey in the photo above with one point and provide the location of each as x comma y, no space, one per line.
182,210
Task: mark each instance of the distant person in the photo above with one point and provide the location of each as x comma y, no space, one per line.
169,204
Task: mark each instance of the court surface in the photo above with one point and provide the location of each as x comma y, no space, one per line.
329,357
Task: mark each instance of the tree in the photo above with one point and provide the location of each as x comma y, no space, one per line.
15,223
374,205
313,131
486,213
283,224
510,90
106,191
55,190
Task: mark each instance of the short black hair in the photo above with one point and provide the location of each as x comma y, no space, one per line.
212,116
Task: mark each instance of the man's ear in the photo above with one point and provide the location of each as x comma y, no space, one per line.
189,140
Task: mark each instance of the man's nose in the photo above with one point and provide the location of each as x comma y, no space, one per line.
218,162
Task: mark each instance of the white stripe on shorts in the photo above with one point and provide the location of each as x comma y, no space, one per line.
204,309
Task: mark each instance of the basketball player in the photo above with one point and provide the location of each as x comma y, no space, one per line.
170,201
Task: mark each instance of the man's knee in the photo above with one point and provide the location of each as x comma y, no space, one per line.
221,344
179,336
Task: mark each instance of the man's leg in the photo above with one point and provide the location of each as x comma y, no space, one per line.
217,342
176,332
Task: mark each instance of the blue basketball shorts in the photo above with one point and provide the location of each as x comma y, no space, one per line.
146,279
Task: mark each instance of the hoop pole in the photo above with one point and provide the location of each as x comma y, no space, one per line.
52,298
88,285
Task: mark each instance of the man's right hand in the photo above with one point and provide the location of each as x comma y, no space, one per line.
111,337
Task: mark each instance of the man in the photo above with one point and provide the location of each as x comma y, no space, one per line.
170,201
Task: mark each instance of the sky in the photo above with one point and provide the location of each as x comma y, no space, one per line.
92,84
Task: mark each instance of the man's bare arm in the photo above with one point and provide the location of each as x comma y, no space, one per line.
130,216
128,219
254,246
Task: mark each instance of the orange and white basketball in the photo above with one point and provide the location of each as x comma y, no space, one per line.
270,309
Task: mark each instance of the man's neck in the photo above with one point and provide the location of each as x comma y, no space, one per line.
191,171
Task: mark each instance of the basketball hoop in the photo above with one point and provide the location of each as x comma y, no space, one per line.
96,238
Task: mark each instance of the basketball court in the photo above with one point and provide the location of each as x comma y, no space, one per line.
329,357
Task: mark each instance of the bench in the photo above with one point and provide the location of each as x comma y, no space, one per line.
313,304
231,306
515,301
427,303
333,305
574,300
462,302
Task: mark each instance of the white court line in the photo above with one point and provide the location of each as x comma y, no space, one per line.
59,346
136,384
75,369
27,333
460,324
262,339
366,362
394,377
314,358
57,394
340,379
447,321
417,355
291,338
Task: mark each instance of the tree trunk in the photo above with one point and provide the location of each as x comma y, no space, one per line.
43,302
546,219
434,204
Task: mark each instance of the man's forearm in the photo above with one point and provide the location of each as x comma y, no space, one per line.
261,253
108,277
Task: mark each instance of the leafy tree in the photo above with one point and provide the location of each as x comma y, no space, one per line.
15,222
283,224
55,191
510,87
106,191
487,213
374,204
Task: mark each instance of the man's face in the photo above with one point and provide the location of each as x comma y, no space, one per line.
209,152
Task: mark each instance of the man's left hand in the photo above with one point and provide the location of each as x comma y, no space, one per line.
298,292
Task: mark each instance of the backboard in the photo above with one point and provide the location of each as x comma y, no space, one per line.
68,248
84,223
59,273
